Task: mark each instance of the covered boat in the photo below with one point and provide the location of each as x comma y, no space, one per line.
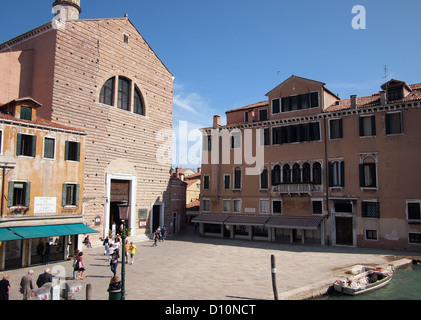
368,280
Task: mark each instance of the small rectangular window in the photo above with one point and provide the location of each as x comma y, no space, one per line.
26,145
276,106
394,123
19,194
414,210
237,205
226,205
70,195
227,181
72,151
414,237
335,129
277,206
264,179
370,209
205,205
49,148
264,206
26,113
206,182
367,126
371,234
263,115
317,206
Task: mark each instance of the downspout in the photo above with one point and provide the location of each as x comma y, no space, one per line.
326,172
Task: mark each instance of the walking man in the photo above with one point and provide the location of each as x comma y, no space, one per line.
26,285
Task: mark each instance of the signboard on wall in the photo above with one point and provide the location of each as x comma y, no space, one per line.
45,204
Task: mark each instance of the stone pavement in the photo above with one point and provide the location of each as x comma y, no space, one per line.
190,267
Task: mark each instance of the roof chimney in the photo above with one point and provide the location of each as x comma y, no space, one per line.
354,101
65,10
216,121
383,97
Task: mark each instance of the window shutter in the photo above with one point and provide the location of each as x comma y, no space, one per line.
66,150
361,126
33,146
330,165
343,174
78,151
64,194
341,135
27,194
387,123
10,195
373,125
77,195
19,145
362,177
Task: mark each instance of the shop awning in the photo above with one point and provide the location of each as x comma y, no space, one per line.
52,230
310,223
211,218
6,235
247,220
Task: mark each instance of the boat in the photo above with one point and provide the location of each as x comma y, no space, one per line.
368,280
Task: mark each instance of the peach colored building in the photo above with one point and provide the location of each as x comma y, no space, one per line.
305,166
42,165
102,77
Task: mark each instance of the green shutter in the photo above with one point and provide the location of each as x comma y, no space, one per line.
77,195
28,194
19,145
64,194
10,195
34,146
77,151
66,150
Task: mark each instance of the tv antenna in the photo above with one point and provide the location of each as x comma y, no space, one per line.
386,74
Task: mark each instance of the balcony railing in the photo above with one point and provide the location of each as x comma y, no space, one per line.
290,188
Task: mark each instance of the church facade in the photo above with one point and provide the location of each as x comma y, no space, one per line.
102,77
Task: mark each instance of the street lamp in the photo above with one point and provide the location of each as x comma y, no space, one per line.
123,209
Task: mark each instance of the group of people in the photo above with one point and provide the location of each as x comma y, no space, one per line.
26,284
160,234
112,249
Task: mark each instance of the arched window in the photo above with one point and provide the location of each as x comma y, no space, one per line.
123,93
106,95
306,173
276,175
317,173
286,174
296,173
138,105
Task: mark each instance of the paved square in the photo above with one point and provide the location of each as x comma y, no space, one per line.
190,267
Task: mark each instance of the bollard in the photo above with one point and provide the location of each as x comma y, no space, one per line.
88,291
273,268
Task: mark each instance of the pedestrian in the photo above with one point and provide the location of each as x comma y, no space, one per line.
159,233
106,245
45,277
81,266
126,250
87,242
155,238
164,233
117,243
110,252
5,288
114,261
132,250
47,253
75,264
26,285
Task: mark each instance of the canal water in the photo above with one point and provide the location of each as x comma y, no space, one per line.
405,285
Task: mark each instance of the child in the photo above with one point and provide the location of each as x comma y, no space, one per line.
132,250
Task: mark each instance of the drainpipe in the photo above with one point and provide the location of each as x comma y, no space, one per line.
326,170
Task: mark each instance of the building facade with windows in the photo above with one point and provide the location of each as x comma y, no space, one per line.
102,77
330,171
42,166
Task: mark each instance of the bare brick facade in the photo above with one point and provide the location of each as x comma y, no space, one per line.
70,65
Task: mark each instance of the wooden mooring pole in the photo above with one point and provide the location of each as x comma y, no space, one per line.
273,269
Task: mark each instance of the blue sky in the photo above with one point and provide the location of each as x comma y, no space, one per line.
226,54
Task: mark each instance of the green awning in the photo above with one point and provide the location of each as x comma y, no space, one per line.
52,230
6,235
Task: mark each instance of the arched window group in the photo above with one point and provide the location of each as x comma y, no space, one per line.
305,173
122,93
